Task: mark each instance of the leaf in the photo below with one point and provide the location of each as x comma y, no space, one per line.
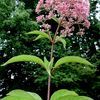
46,62
62,40
39,37
25,58
51,63
71,97
48,65
19,95
34,95
73,59
13,98
62,92
43,34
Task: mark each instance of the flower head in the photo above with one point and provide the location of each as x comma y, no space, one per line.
73,12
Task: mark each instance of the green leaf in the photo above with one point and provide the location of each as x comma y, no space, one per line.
39,37
62,40
46,62
35,95
19,95
62,92
25,58
42,34
48,65
51,63
71,97
73,59
14,98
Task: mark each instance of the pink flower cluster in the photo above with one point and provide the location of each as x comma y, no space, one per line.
71,12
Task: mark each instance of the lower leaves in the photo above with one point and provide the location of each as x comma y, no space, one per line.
21,95
62,94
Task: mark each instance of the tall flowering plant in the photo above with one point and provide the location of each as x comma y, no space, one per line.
67,14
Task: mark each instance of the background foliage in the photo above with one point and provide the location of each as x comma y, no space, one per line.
16,18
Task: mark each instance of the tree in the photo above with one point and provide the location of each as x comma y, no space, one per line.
15,22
